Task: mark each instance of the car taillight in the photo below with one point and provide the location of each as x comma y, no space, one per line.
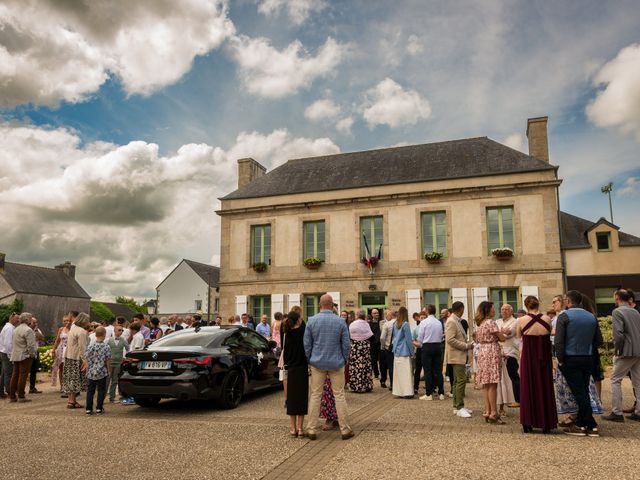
195,360
128,361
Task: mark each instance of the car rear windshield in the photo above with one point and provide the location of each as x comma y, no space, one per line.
195,339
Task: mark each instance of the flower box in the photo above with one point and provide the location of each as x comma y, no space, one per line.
433,257
312,263
502,253
260,267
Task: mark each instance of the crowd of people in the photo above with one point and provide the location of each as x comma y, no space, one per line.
544,362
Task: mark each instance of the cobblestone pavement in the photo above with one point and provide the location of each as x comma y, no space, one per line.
394,439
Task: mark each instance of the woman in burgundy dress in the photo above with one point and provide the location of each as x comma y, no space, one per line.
537,398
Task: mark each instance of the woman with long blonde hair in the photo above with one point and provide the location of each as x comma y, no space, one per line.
402,352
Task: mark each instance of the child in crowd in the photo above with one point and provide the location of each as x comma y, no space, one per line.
136,343
97,366
119,348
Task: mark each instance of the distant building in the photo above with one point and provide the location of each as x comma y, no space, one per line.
151,306
461,199
47,293
191,287
599,258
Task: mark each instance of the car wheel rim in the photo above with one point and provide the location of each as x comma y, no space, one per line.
234,390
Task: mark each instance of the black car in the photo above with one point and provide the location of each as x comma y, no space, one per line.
217,363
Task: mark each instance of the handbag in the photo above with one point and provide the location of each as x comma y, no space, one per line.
281,360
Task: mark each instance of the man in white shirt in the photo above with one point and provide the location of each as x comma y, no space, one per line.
6,342
510,348
137,341
429,338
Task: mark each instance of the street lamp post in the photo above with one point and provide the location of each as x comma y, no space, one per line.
607,189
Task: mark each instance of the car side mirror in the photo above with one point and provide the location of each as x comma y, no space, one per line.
272,344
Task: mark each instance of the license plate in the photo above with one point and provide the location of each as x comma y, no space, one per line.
156,365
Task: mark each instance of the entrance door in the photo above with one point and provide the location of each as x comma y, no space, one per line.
369,301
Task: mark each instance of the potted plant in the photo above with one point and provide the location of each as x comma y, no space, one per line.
260,267
502,253
312,263
433,257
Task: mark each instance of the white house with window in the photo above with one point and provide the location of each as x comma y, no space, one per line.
191,287
464,220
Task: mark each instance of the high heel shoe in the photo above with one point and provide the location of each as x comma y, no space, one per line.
293,433
495,420
486,417
300,433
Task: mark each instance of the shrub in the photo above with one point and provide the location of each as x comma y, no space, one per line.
6,310
312,261
101,310
260,267
46,358
432,256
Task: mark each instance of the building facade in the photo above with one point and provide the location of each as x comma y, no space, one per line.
599,259
191,287
47,293
461,199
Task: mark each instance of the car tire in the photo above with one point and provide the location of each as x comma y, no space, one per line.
232,390
147,402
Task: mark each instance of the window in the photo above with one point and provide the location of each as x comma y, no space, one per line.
261,244
604,301
198,305
313,239
311,306
434,233
500,296
603,240
439,298
260,305
373,300
500,231
371,230
254,340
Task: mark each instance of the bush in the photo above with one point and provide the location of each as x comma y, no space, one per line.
6,310
606,350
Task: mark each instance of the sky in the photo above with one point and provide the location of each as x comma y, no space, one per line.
121,122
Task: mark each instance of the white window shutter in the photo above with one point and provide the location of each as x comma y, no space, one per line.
525,292
460,295
336,298
277,303
241,304
479,294
293,299
414,304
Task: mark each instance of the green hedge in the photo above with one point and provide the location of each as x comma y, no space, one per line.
8,309
606,351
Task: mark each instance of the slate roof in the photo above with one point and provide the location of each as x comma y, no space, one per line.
574,232
208,273
41,281
118,310
471,157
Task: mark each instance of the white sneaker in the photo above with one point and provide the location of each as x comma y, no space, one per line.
468,410
449,394
455,412
441,397
426,397
463,413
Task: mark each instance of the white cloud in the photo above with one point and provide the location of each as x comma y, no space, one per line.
515,141
388,103
414,45
123,213
631,186
618,105
297,10
52,51
322,110
268,72
344,125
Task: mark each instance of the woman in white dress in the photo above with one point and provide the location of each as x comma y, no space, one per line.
402,353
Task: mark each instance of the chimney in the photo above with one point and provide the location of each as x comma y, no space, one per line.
67,268
537,137
2,257
248,171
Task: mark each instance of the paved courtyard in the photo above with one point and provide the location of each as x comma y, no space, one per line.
394,439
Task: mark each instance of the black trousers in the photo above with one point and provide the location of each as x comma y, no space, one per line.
418,370
432,364
92,386
577,372
386,366
512,368
34,371
375,358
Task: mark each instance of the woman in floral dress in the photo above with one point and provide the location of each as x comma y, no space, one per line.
328,406
360,368
489,359
59,348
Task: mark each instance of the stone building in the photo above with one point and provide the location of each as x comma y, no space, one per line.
599,259
461,198
47,293
191,287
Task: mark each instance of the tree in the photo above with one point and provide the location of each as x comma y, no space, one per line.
101,311
7,309
132,304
